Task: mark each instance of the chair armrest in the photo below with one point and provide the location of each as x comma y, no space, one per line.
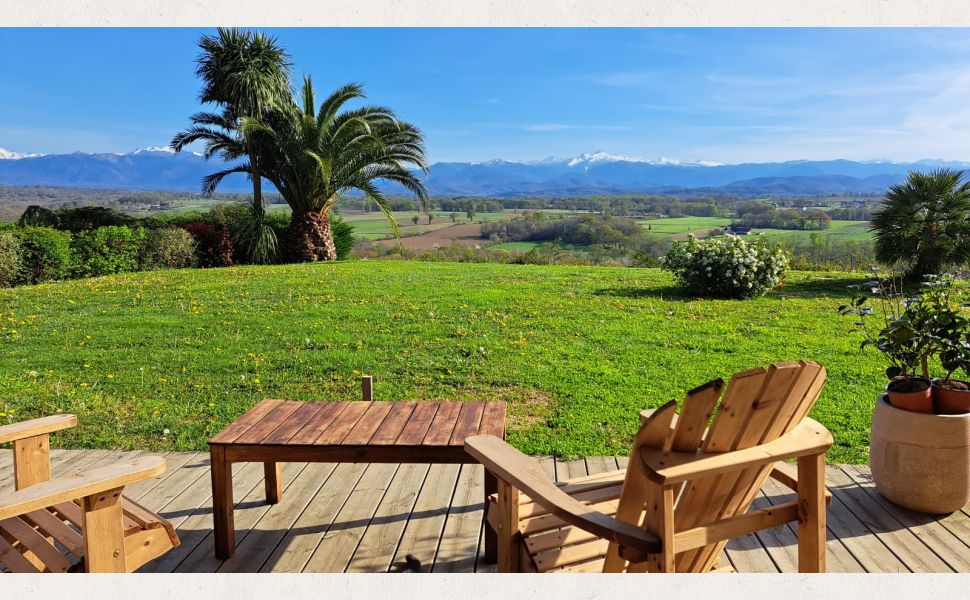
79,485
26,429
524,473
808,438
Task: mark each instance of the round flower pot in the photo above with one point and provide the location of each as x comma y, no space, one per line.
911,393
920,461
950,400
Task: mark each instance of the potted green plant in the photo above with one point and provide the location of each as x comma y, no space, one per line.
903,339
946,321
920,459
952,396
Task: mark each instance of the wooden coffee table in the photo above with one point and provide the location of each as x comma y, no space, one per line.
276,431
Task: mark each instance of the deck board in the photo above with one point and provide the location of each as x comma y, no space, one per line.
367,518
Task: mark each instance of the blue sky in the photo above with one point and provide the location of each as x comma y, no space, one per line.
724,95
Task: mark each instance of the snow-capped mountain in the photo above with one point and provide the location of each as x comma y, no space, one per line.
11,155
159,167
585,160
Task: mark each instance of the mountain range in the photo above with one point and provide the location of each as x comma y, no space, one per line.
159,168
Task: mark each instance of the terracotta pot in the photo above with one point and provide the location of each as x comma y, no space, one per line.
951,402
919,401
920,461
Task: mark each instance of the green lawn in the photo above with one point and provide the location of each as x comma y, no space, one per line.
843,231
163,360
527,246
840,230
683,224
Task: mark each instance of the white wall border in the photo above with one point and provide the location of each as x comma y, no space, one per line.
449,13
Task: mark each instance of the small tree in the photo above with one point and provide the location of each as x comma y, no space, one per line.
414,219
923,226
430,216
454,217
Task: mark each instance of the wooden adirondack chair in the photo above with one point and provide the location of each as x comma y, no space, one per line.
45,522
687,488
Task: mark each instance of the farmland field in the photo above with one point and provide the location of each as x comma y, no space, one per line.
162,360
677,225
374,226
844,231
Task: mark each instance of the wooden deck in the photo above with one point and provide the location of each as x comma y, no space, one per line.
366,518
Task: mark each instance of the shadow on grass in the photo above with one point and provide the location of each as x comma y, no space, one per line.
663,293
814,287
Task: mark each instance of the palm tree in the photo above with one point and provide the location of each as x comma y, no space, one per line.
315,156
247,74
923,226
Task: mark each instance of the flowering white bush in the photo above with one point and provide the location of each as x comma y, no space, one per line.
727,267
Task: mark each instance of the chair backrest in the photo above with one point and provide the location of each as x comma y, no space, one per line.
758,406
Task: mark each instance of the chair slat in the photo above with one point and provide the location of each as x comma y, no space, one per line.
36,543
14,560
576,553
140,515
693,418
55,527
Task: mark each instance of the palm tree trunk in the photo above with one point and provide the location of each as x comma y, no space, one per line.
311,237
257,176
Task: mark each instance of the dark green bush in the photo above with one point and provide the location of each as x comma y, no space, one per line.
37,216
107,250
9,258
169,248
45,254
86,218
343,237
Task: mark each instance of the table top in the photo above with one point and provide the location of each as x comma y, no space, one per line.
360,423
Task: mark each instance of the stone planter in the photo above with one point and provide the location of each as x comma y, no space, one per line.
920,461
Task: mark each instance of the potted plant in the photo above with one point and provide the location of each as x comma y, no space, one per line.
949,328
952,396
903,339
919,459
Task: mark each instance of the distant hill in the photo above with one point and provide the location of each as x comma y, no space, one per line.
595,173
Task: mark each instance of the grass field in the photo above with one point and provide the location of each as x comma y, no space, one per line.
527,246
163,360
678,225
843,231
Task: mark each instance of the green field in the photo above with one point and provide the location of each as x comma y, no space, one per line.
677,225
374,226
843,231
527,246
163,360
838,230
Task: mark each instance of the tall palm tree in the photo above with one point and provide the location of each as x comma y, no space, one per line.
246,74
315,156
923,225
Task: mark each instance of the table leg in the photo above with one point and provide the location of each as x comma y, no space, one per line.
491,538
274,482
224,530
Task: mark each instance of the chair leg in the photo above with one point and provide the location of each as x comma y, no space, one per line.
508,544
491,540
811,514
104,532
